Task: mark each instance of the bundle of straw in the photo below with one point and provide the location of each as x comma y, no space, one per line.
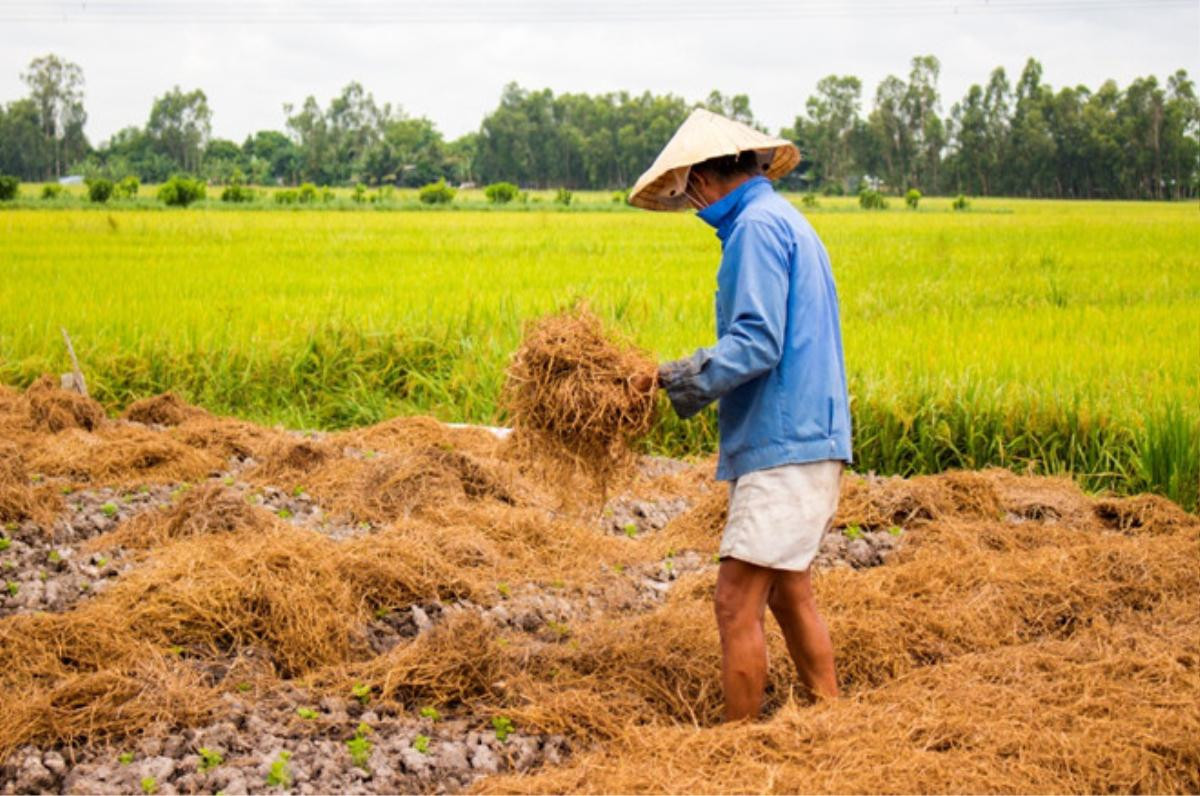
576,391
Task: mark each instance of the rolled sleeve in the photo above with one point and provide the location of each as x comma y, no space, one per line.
756,261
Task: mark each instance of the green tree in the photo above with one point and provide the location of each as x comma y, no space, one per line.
56,89
179,127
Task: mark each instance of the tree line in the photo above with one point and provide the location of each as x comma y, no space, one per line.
1021,138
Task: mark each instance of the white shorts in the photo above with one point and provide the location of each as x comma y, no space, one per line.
778,516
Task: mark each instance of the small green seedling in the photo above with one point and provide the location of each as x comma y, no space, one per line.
361,692
66,490
54,557
209,759
149,785
244,687
227,480
631,529
85,586
421,744
284,514
369,454
431,713
10,526
559,629
853,532
716,558
13,587
618,568
504,590
101,561
503,727
143,490
895,530
125,758
382,613
306,713
298,491
280,774
558,584
175,650
109,509
5,543
359,746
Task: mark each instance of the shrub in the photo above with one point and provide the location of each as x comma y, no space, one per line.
620,197
960,203
127,188
563,197
52,191
360,193
8,187
307,193
99,189
288,196
500,193
327,195
180,191
912,198
871,200
235,191
809,200
436,193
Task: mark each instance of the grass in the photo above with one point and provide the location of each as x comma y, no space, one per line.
1057,336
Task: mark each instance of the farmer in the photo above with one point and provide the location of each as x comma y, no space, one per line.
778,374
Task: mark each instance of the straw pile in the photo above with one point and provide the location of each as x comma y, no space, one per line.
1026,637
570,390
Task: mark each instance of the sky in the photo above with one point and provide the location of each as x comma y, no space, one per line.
450,59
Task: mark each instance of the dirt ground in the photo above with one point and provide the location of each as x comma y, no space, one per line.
195,604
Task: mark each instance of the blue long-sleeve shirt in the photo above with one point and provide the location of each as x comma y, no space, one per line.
777,368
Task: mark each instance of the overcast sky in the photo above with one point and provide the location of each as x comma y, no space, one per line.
449,60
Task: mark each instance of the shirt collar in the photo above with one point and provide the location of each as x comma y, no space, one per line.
721,213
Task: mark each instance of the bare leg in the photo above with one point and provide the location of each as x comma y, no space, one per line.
740,602
794,606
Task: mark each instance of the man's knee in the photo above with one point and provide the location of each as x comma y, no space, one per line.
790,593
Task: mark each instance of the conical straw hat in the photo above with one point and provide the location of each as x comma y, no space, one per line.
705,135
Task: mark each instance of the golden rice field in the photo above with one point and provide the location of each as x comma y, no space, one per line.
1057,336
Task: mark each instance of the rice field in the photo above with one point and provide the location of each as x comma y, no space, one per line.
1053,336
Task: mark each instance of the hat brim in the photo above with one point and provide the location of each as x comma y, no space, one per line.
662,188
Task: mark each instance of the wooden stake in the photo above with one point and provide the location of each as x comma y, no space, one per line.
80,384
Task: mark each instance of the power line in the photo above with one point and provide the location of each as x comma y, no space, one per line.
326,12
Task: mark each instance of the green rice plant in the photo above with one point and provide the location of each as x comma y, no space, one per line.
1004,336
279,775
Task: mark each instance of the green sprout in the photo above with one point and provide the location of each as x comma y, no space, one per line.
66,490
631,529
227,480
298,491
13,587
895,530
244,687
149,785
109,509
503,727
5,543
853,532
125,758
11,526
175,650
559,629
284,514
359,746
280,774
209,759
54,557
101,561
431,713
504,590
361,692
306,713
421,744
